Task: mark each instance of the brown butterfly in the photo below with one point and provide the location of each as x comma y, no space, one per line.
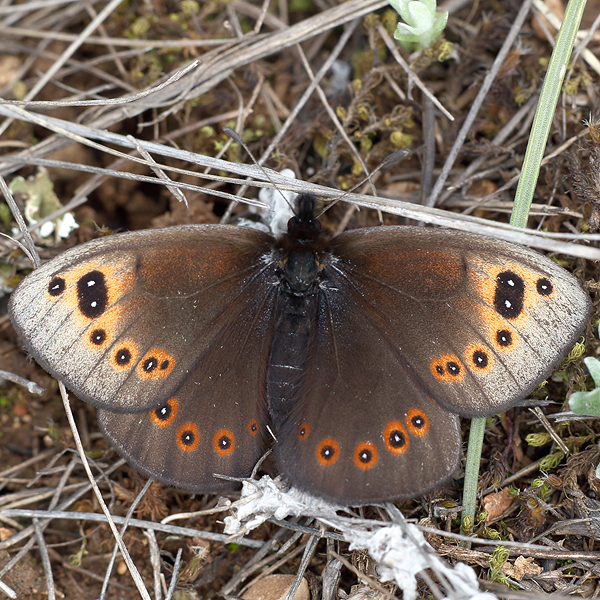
359,352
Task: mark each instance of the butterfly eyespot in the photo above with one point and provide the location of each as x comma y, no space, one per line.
544,287
164,415
98,337
453,367
253,427
366,455
509,296
447,368
304,431
92,294
328,452
504,338
188,437
417,422
155,364
395,437
478,358
56,286
124,356
224,442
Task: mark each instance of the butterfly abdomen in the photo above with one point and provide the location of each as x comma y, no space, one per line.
293,337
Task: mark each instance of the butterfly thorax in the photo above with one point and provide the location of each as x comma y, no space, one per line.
301,249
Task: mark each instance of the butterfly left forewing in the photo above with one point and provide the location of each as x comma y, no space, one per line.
480,322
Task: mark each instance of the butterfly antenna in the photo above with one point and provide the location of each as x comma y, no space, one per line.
235,136
391,159
23,249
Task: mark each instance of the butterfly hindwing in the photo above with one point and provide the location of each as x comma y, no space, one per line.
216,421
361,429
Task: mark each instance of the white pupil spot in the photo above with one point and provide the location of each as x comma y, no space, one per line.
511,283
91,283
94,304
507,304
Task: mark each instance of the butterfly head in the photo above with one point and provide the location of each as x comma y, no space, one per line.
304,227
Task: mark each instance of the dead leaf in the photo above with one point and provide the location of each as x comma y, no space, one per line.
523,566
496,504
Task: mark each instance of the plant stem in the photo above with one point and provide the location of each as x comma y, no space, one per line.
540,130
544,115
476,432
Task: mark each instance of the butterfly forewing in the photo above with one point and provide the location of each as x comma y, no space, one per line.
479,322
122,320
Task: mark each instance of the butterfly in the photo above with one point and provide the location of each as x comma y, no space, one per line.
353,356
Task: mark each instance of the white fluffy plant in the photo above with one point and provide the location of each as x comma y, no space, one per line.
421,25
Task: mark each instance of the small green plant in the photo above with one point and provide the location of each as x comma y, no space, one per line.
421,26
588,403
497,561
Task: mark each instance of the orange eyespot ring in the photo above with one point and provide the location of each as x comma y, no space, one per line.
328,451
224,442
395,437
253,427
303,431
164,415
155,364
447,368
124,356
366,455
188,437
417,422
